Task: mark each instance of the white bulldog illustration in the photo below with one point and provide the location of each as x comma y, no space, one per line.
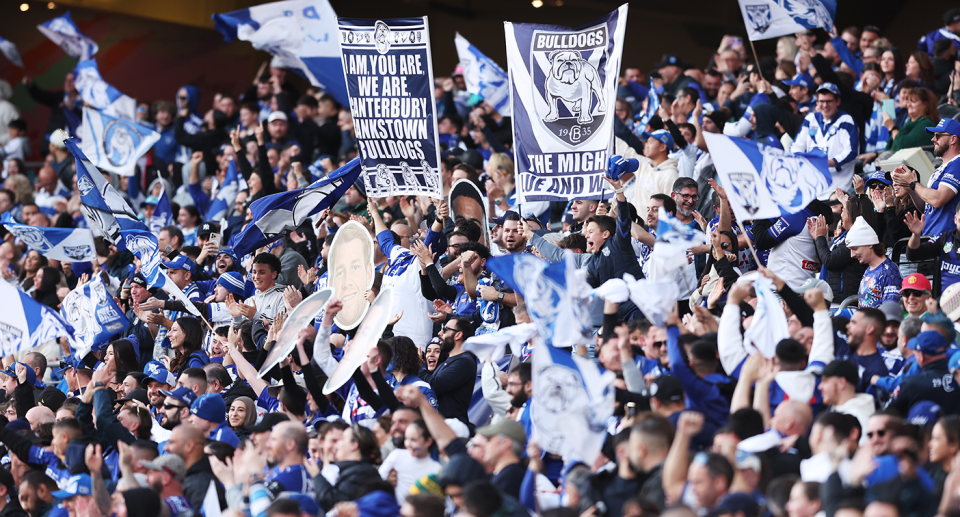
574,80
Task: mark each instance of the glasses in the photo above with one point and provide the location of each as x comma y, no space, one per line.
687,197
878,434
173,406
938,136
659,344
445,328
906,293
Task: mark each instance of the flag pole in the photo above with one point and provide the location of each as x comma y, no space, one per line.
756,59
753,250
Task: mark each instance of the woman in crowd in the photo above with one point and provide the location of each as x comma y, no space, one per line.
242,413
412,462
186,338
45,282
891,64
431,356
922,113
189,219
944,445
842,271
919,67
33,262
804,499
123,355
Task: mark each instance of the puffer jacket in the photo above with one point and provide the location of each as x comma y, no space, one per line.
353,475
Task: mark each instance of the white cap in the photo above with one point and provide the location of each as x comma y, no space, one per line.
277,62
816,283
277,115
459,428
950,301
861,234
57,138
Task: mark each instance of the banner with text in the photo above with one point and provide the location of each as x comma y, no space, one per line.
390,83
564,88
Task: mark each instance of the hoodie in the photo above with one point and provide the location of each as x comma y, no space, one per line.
194,122
378,504
766,126
860,406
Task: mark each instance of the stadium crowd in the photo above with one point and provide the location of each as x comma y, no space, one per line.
857,415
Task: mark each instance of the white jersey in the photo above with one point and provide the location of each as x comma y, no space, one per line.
794,260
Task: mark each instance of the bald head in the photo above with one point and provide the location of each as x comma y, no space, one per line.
793,417
39,415
47,179
187,441
881,509
191,433
294,431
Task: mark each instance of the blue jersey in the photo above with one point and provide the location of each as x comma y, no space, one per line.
415,381
867,367
880,284
290,480
177,505
940,220
57,471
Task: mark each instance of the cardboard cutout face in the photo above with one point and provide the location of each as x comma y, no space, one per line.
351,272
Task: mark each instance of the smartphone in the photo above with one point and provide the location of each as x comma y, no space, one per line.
631,409
735,41
215,237
888,106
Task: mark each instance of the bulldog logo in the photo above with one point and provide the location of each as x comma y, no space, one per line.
382,36
383,180
760,17
429,176
120,141
573,80
568,73
745,187
409,178
77,253
791,181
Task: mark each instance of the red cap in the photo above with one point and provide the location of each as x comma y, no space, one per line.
918,282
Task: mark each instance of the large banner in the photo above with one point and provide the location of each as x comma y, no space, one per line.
564,88
766,19
114,144
389,78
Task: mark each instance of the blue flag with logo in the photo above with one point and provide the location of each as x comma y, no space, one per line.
114,144
555,294
564,93
302,34
162,214
767,19
98,94
63,244
26,323
277,215
62,31
101,204
93,314
143,244
227,194
764,182
10,51
571,405
389,77
484,77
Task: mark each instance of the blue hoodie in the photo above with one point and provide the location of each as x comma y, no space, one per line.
378,504
194,122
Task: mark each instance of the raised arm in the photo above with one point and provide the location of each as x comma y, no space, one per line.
675,465
411,396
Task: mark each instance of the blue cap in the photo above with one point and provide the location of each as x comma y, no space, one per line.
923,413
230,253
946,125
736,503
211,407
880,176
155,370
662,135
76,364
617,165
181,262
12,371
954,362
183,394
79,484
152,200
308,505
801,79
232,282
829,88
928,342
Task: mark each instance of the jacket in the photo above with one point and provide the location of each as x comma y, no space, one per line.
353,475
652,179
838,138
861,406
839,268
934,383
198,479
615,258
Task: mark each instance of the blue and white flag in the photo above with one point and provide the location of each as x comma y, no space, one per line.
670,251
63,244
564,91
26,323
555,294
764,182
494,344
572,402
277,215
93,314
226,195
103,208
767,19
769,324
655,298
98,94
389,76
653,104
115,144
484,77
162,214
10,51
143,245
62,31
301,33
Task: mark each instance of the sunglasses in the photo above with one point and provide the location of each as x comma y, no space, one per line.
659,344
173,406
906,293
450,329
878,434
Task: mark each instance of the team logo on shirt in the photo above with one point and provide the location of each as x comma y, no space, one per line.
567,81
947,246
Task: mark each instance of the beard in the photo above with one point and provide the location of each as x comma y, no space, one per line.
397,441
939,150
519,399
169,423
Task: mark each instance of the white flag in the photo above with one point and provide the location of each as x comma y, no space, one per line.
484,77
767,19
114,144
97,93
494,344
769,325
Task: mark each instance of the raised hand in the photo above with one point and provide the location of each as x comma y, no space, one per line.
858,185
292,297
307,275
914,223
424,253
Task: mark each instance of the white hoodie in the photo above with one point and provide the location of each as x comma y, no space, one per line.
860,406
